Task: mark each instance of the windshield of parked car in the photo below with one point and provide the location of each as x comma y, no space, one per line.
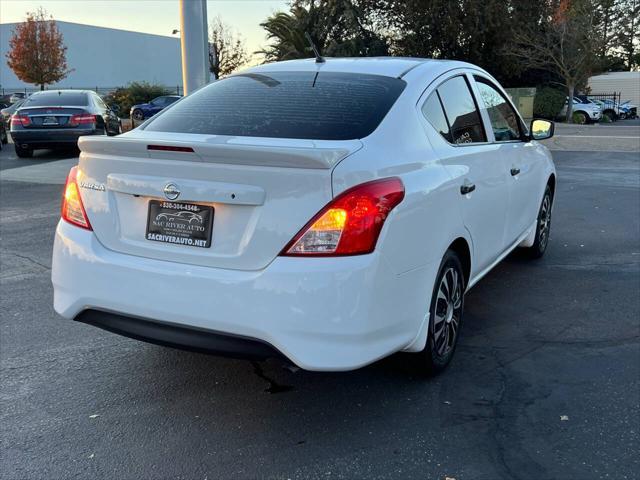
57,98
309,105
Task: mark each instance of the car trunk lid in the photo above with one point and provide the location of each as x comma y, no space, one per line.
50,117
261,191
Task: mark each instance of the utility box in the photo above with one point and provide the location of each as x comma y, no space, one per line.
523,100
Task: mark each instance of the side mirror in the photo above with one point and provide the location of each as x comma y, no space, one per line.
541,129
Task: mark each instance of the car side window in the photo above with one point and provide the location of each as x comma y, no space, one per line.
157,102
503,118
461,111
433,112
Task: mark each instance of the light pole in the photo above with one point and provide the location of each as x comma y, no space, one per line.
194,44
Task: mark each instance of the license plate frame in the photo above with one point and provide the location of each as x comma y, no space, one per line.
50,121
179,223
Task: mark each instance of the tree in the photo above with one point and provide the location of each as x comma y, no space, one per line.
228,51
565,46
475,31
37,53
337,28
617,32
629,32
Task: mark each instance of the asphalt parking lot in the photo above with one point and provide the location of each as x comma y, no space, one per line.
545,383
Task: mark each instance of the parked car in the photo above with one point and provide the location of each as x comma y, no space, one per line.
57,118
17,96
335,228
8,111
582,112
609,108
143,111
4,138
631,110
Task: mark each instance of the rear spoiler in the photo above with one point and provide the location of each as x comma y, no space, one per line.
286,153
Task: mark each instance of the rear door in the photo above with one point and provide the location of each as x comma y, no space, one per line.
520,159
464,149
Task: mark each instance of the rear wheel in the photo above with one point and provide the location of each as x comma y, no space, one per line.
138,115
543,226
5,137
23,152
445,316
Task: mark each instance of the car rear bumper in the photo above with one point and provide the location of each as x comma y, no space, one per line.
44,138
322,313
177,336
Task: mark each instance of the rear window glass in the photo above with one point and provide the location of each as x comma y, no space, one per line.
55,98
318,106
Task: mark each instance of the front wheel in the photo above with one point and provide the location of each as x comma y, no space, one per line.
445,316
579,118
543,225
23,152
138,115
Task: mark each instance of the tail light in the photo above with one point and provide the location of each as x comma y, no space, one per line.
20,120
72,207
82,119
351,223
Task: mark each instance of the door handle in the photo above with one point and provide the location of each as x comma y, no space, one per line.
515,171
467,188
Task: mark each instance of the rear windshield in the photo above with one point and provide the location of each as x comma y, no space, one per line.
55,99
310,105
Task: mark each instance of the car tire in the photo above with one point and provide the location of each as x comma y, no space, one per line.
5,138
580,118
543,225
137,115
610,114
445,316
23,152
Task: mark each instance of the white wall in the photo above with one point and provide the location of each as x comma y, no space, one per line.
105,57
626,83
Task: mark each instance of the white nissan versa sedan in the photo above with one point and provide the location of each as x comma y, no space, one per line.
336,212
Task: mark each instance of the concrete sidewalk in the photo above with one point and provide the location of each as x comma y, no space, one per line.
596,138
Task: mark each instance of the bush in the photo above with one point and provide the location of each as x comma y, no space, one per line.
133,94
548,102
605,119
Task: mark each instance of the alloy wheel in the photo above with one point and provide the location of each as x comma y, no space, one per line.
448,312
544,222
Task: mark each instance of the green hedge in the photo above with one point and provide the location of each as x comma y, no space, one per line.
548,102
133,94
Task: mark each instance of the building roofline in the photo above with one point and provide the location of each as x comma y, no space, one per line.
100,26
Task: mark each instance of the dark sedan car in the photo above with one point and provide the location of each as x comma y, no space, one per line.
6,112
143,111
4,139
56,118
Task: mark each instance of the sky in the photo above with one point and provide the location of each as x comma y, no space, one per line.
150,16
